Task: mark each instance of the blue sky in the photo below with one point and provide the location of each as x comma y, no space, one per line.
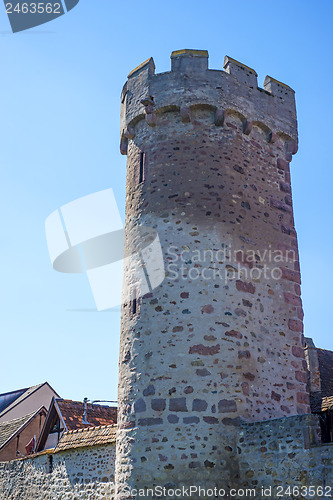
60,88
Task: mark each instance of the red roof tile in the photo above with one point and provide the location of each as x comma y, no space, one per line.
92,436
97,415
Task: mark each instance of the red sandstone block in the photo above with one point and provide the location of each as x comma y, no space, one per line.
289,230
289,274
301,377
282,164
285,187
295,325
280,205
303,398
288,253
234,333
208,309
300,313
243,286
292,147
204,349
275,396
298,352
291,299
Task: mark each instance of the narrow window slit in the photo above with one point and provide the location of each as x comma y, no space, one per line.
141,172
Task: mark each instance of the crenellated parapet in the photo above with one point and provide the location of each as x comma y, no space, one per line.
190,84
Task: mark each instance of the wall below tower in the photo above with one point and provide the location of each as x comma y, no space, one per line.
84,473
274,456
285,458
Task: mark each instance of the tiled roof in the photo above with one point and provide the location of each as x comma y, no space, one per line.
10,429
325,359
97,415
90,436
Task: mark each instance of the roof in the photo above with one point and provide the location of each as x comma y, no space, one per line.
7,398
97,415
9,429
24,395
71,414
92,436
325,359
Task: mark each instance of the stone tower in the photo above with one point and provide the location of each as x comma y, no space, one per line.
219,341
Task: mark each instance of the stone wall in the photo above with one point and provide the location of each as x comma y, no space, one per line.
273,456
84,473
283,453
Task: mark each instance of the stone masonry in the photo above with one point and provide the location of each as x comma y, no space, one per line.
219,343
76,474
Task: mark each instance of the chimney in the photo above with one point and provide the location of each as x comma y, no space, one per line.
84,419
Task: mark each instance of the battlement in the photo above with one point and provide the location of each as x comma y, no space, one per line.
190,83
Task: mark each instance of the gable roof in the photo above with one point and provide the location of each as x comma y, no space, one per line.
9,429
97,415
24,395
325,359
71,413
92,436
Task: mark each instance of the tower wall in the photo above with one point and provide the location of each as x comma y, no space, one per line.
219,341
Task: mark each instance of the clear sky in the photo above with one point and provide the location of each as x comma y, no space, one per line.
60,98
